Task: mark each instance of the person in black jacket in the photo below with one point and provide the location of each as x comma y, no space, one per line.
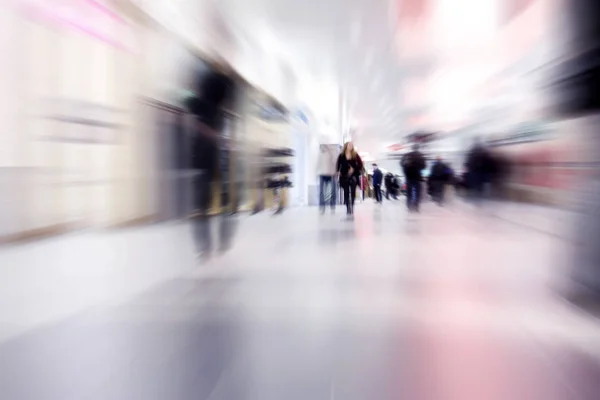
377,180
349,168
387,182
480,167
413,164
439,176
210,152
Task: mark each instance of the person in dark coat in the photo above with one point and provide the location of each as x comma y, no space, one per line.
413,164
377,180
480,167
349,168
387,182
216,92
439,176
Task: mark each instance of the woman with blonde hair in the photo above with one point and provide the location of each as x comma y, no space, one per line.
349,167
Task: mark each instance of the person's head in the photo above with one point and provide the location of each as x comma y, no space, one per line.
349,148
438,159
374,166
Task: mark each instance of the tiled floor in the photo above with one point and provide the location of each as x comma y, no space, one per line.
448,304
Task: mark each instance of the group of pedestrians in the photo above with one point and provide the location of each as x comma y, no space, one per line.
347,169
484,173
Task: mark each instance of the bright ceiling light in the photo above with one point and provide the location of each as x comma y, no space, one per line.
457,23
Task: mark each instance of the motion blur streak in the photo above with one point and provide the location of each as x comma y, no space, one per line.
318,199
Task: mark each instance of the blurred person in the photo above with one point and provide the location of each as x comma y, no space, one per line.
480,167
349,168
396,187
413,164
377,180
462,181
326,169
439,176
387,182
501,175
210,153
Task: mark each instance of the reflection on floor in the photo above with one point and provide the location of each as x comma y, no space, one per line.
448,304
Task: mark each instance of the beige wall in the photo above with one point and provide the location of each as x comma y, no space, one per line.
58,181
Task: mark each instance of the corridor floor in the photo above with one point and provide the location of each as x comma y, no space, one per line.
450,304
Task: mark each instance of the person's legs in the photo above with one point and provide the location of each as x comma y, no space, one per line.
353,187
411,194
347,189
378,194
434,191
201,220
278,197
476,186
441,193
322,184
333,192
228,220
417,200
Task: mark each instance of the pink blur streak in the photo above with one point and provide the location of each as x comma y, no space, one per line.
50,14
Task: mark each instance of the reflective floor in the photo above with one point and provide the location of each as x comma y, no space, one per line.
448,304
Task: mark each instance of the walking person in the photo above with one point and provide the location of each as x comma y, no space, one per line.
479,165
326,165
438,178
349,168
210,154
387,182
377,180
413,164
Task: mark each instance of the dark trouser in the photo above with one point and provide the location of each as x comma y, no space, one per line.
325,182
413,194
349,187
201,222
477,184
378,195
437,191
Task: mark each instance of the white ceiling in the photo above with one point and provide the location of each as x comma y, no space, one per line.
332,46
349,49
341,57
